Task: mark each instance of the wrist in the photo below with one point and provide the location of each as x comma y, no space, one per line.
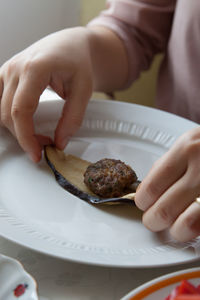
108,58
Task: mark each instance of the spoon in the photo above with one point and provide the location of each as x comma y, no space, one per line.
68,171
128,198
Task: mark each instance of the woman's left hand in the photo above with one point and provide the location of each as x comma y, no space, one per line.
167,195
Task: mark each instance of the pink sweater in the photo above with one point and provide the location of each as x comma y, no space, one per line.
148,27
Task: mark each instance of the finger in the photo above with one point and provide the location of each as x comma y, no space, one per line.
73,110
1,93
187,225
170,205
1,87
44,140
164,173
23,108
6,104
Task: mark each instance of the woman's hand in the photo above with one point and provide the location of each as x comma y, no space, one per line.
73,62
60,60
167,195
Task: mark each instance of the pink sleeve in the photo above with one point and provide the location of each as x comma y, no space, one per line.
144,27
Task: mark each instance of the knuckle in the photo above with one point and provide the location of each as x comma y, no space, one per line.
32,65
152,189
11,66
169,167
164,216
9,69
29,66
194,133
192,148
193,184
16,112
190,143
193,224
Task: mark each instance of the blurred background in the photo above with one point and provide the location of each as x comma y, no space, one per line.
22,22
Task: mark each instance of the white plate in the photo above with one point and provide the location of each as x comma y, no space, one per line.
15,282
36,212
161,287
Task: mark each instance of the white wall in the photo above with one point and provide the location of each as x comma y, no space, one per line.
24,21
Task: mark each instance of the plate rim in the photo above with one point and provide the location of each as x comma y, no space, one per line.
105,263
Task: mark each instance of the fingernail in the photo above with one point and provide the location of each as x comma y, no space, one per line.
62,144
34,157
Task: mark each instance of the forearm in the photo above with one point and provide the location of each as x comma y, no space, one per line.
109,59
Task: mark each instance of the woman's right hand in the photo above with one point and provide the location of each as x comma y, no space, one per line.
62,61
168,193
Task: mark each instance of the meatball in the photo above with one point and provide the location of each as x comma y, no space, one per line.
109,178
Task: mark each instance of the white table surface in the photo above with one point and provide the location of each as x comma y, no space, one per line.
62,280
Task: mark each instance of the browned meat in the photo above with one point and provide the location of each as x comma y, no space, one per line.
109,178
